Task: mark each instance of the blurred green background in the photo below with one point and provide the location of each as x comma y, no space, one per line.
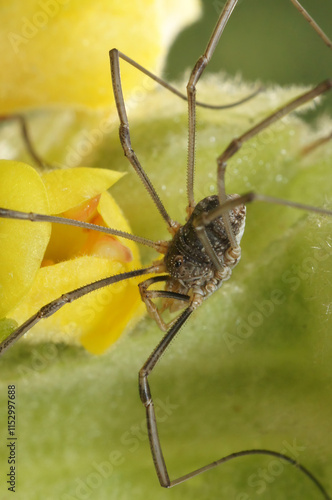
265,40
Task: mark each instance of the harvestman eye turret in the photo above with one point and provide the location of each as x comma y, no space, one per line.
202,252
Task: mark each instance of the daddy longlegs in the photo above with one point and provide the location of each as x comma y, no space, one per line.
201,253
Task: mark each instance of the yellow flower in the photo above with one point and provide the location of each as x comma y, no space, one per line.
56,51
40,263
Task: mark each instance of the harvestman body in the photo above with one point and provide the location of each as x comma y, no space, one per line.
202,252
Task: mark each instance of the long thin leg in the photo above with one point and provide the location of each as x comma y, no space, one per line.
124,131
126,141
222,198
312,23
197,73
175,91
236,143
146,397
316,144
207,218
152,309
204,219
201,222
52,307
26,137
5,213
233,254
244,453
191,93
156,450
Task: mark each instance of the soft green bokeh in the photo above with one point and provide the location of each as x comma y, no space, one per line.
265,40
251,369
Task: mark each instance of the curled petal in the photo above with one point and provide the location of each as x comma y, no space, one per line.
74,256
96,320
68,188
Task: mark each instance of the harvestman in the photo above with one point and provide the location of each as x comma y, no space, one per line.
202,252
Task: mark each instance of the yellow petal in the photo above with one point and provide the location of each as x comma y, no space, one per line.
97,319
23,243
56,51
114,218
68,188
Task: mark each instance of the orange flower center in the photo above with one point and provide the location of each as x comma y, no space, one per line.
68,242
